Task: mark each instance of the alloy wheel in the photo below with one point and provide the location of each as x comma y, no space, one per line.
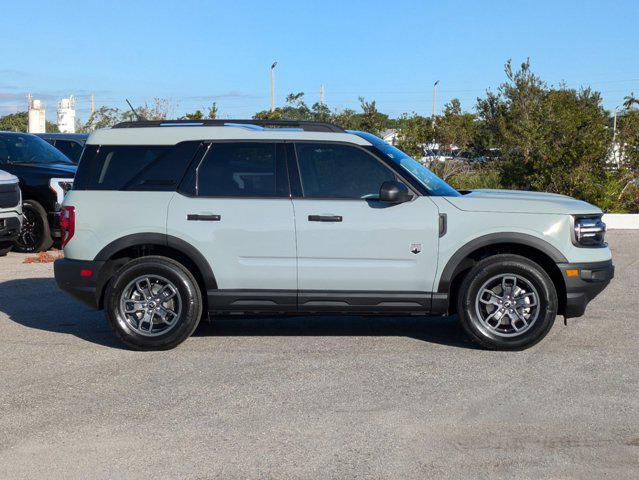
507,305
150,305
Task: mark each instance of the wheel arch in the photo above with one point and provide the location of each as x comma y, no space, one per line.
541,252
117,253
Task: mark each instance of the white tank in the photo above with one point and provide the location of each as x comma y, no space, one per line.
66,115
37,118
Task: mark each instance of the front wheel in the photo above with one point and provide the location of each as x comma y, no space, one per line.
153,303
507,302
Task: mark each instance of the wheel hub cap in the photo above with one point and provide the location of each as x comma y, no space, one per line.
507,305
150,305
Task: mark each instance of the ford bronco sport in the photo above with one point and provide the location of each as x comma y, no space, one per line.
169,222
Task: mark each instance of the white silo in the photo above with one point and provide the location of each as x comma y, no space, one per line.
66,115
37,119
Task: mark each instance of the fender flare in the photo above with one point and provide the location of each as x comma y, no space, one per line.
495,239
163,240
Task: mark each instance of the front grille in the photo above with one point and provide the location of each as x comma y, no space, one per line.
9,195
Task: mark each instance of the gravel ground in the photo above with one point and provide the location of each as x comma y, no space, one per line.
316,398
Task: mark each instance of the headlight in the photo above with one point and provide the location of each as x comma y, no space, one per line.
588,231
60,187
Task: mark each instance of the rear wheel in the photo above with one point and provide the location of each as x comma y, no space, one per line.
507,302
153,303
35,235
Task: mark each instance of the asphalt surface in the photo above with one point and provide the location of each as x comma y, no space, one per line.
316,398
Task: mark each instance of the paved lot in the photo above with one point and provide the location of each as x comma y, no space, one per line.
316,398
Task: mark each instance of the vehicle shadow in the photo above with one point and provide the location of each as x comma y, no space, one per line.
38,303
439,330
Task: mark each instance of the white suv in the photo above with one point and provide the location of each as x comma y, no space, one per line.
10,211
169,222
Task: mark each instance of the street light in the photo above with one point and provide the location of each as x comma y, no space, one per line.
435,98
273,86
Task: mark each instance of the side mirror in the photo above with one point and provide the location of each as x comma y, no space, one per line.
394,192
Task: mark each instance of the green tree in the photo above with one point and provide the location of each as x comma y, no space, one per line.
413,132
630,101
371,120
105,117
551,139
455,128
627,141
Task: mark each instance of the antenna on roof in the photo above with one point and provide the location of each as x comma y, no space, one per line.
137,115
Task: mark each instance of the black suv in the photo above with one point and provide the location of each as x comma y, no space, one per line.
71,144
45,176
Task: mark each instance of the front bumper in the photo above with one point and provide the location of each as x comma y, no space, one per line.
72,277
584,281
9,230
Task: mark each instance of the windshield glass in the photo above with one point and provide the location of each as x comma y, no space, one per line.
435,185
23,148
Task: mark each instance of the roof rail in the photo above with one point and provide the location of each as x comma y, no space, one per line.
306,126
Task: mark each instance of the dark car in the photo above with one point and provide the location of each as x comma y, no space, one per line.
45,176
71,144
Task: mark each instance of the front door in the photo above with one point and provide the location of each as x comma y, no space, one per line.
354,252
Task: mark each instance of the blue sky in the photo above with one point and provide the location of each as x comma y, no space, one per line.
194,52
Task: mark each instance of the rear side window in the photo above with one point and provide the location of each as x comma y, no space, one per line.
70,148
142,168
243,169
340,171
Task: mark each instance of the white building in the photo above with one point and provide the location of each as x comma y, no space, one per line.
66,115
37,118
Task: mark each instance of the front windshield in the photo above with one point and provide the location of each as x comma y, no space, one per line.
24,148
435,185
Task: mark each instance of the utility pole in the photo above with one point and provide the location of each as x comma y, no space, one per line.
322,94
92,105
615,151
435,99
273,86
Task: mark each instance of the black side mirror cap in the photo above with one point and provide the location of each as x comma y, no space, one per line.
394,192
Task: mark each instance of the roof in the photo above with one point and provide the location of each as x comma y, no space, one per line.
64,136
176,133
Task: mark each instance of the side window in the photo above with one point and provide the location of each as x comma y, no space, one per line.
113,167
242,169
70,148
340,171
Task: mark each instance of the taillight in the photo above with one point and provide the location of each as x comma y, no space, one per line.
67,224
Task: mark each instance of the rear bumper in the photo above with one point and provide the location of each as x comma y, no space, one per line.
9,230
72,277
581,288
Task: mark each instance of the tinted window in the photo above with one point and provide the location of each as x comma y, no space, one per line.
70,149
242,170
113,167
25,148
340,171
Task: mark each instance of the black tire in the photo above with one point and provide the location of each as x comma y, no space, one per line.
5,250
35,235
188,292
490,269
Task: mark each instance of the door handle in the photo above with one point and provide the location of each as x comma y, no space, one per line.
324,218
203,217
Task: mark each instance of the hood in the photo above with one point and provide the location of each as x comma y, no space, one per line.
62,170
6,177
517,201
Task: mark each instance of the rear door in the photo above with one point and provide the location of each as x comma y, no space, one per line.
235,208
355,252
